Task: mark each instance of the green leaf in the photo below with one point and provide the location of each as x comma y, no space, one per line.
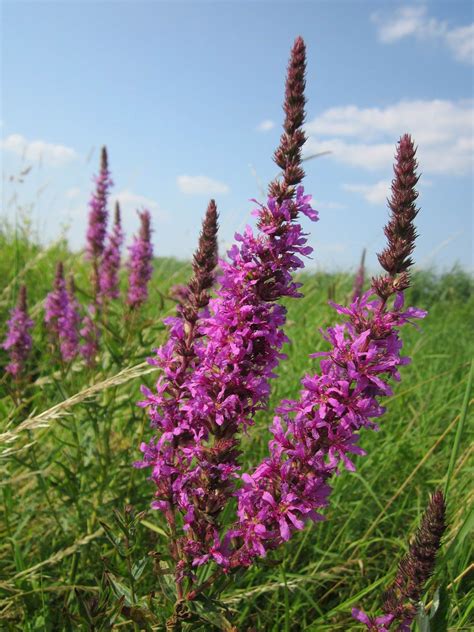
439,614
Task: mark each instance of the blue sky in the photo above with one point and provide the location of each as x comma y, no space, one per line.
187,97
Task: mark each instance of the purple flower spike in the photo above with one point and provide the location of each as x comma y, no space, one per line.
110,264
140,264
18,341
238,347
97,228
314,436
98,213
90,334
69,336
62,316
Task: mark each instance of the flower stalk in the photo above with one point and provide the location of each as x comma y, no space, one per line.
18,341
140,263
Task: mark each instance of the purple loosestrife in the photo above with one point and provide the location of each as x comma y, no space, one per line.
90,334
18,341
110,263
70,325
400,230
401,600
140,263
98,216
314,435
62,316
238,352
178,358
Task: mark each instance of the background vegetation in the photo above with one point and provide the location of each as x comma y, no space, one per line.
66,452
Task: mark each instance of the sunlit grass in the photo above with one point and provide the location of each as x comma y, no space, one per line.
68,447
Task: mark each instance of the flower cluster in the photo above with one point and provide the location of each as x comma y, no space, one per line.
18,341
110,263
227,370
62,316
140,263
194,460
219,361
314,435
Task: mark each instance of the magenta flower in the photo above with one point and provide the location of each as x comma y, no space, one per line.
377,624
18,342
140,263
241,340
62,316
314,435
110,263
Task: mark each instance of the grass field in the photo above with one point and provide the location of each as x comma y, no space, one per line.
68,468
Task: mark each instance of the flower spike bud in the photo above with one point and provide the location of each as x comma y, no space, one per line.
204,263
401,600
288,155
400,230
417,566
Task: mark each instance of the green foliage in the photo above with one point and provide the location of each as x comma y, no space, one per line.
77,551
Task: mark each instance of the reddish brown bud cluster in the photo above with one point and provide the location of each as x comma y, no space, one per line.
22,299
400,230
104,161
145,227
288,155
417,566
204,263
117,218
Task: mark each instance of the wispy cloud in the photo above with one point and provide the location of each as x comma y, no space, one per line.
365,137
414,21
130,202
374,193
332,206
201,185
265,126
73,193
50,154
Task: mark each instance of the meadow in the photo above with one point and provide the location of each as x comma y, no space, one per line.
81,549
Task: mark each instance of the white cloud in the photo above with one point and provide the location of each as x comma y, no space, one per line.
374,193
415,22
38,150
363,155
73,193
461,43
265,126
201,185
131,202
366,137
336,206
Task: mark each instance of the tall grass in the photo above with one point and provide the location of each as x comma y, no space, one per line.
67,451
